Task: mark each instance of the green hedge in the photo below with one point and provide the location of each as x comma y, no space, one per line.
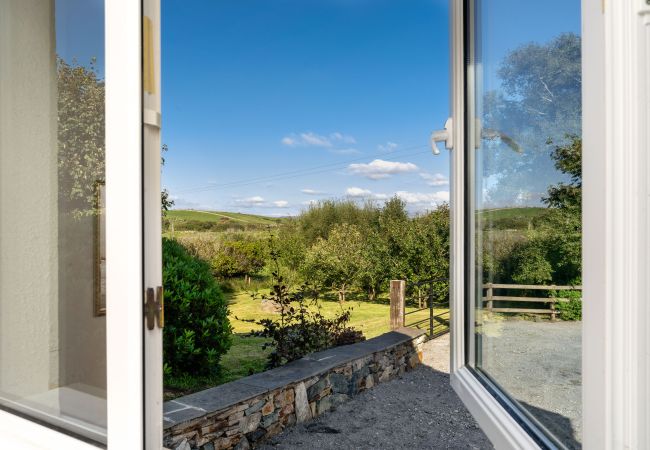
197,331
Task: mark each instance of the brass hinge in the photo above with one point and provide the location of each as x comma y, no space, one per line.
154,307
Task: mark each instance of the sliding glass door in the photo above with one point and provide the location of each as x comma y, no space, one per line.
523,210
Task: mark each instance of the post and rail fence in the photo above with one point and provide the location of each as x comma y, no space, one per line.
489,299
434,317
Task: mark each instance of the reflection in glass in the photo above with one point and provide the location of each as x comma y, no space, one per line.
52,153
524,165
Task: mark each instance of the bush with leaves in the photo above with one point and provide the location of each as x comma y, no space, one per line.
301,328
571,309
197,330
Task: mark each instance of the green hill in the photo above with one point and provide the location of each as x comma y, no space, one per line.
510,218
192,220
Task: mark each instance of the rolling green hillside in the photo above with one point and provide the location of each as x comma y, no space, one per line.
192,220
510,218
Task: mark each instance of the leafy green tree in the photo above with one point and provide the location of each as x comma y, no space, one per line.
337,260
81,136
538,99
239,258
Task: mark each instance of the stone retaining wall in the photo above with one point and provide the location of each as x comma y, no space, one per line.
243,413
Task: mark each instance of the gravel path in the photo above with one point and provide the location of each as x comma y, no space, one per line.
539,364
418,411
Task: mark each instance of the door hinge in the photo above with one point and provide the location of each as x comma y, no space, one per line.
154,307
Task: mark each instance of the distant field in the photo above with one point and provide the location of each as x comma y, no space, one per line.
199,220
510,218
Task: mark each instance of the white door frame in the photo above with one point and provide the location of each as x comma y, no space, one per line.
124,237
616,247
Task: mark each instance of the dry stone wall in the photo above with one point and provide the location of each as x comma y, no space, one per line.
243,413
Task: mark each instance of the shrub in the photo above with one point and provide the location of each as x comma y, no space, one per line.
301,328
572,309
197,331
238,258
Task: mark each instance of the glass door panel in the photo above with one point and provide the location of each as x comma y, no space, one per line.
52,224
523,116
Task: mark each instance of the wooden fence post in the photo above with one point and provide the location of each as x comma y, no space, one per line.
490,295
397,295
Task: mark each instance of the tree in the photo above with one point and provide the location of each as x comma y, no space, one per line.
239,258
337,260
165,201
81,136
538,99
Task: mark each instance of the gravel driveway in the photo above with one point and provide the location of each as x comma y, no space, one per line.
418,411
539,364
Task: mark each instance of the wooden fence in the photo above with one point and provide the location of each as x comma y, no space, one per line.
490,298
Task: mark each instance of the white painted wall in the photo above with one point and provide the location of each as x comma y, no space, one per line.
29,353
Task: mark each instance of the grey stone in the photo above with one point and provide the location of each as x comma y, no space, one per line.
243,444
269,420
316,389
339,383
184,445
208,446
303,411
323,405
255,435
250,423
221,397
184,415
256,407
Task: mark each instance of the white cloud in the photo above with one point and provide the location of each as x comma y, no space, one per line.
311,139
436,179
357,192
259,202
312,192
310,202
344,138
424,198
387,147
379,169
249,202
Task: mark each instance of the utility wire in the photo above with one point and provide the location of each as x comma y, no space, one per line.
301,172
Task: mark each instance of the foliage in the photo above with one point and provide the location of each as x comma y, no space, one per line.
238,258
572,309
166,202
539,98
300,330
337,260
81,135
568,160
197,331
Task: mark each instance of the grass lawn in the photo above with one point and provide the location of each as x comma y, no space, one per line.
246,355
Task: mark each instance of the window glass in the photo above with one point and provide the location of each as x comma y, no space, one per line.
524,217
52,244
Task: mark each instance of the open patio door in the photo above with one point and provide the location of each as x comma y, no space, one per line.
550,224
80,365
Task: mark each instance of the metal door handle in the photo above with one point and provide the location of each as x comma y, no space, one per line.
444,135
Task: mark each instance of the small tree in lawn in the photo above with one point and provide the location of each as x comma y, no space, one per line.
337,260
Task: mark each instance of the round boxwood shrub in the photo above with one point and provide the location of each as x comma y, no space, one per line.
197,331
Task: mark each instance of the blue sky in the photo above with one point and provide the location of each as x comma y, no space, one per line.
270,105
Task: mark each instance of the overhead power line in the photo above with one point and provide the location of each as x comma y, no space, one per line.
303,172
